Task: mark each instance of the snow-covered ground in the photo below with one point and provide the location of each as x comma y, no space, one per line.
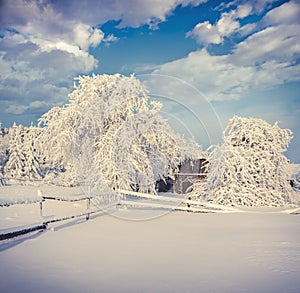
174,252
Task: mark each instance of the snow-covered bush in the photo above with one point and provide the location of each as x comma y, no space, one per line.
25,154
250,168
111,135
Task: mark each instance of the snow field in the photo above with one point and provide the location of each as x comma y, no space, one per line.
178,252
146,249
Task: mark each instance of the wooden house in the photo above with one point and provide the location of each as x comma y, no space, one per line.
189,172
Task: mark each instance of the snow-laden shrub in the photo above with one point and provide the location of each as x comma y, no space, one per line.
250,168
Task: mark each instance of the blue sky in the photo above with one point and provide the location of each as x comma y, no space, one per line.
242,56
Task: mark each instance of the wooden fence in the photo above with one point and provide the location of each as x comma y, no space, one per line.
43,225
152,201
147,201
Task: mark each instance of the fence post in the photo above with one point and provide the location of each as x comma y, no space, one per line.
41,208
40,195
88,204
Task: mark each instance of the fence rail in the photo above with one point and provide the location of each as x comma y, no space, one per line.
10,233
21,231
190,205
8,203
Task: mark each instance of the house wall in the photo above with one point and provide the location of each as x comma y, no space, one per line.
189,172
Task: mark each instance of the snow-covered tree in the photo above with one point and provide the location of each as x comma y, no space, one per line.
250,168
141,151
3,152
34,153
113,135
14,168
59,125
25,153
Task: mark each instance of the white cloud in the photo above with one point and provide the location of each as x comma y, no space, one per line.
287,13
257,6
265,59
223,78
260,5
16,109
130,13
42,62
280,43
149,12
46,43
86,36
207,33
44,26
227,24
243,11
276,37
40,54
215,76
34,106
247,29
110,39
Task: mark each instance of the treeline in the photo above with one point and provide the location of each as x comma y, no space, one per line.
110,136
